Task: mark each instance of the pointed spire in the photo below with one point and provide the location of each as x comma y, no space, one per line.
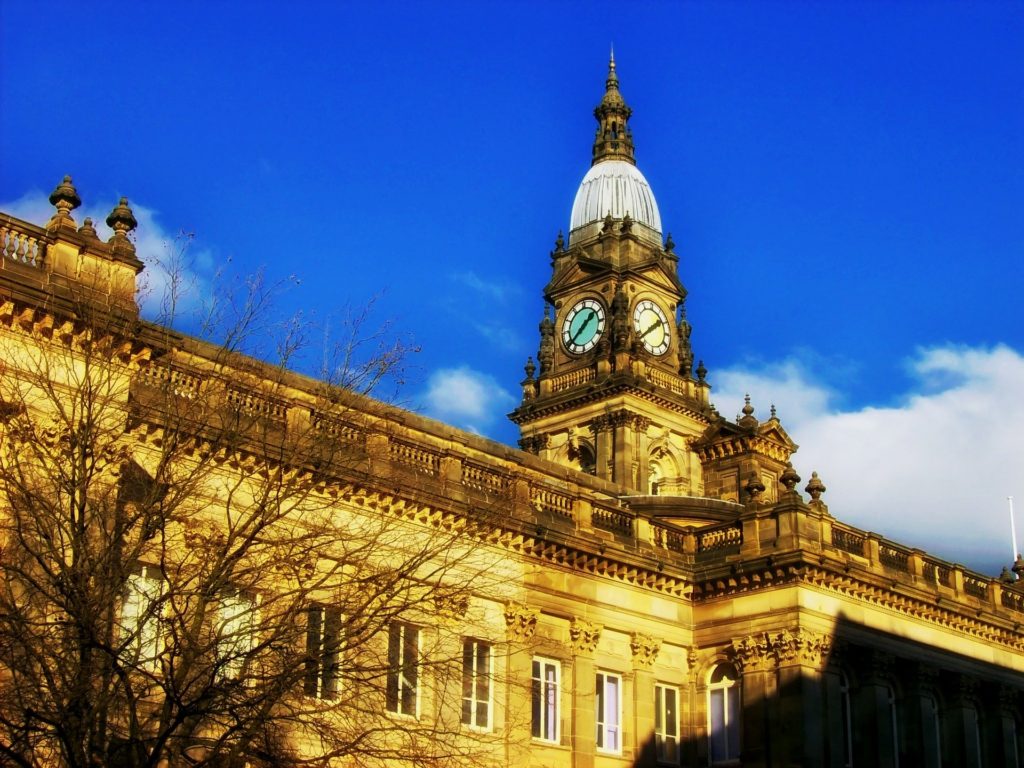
614,141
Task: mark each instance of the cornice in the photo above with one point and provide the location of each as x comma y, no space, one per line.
932,611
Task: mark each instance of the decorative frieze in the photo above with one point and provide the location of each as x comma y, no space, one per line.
766,649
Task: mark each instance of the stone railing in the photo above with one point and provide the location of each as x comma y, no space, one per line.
571,379
673,383
719,538
22,244
411,455
482,478
671,539
615,520
915,568
544,499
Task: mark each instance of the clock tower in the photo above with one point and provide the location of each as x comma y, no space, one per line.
614,391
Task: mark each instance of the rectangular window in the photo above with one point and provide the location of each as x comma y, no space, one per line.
545,699
140,620
403,668
323,641
476,684
608,708
237,624
666,724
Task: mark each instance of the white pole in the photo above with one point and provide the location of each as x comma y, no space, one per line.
1013,530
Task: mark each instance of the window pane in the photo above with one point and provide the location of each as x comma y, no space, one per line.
733,721
314,630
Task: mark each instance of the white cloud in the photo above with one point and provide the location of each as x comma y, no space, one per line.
491,290
158,249
933,471
466,398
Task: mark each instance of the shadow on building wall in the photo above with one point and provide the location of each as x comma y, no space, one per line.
859,698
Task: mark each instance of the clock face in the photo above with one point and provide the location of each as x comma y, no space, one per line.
651,327
583,326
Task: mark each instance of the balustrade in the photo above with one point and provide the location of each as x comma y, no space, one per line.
719,538
613,520
411,455
546,500
20,246
572,379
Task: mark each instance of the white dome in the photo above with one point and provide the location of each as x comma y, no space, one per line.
616,187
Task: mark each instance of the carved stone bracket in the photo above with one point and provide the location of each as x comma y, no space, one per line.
521,622
584,636
600,424
645,650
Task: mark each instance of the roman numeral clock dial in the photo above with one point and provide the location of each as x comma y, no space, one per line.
651,326
583,326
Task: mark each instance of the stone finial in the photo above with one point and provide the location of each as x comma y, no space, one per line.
121,219
529,368
789,477
748,419
1006,576
774,415
546,355
609,223
815,487
65,199
702,372
88,230
559,242
1018,567
670,245
627,224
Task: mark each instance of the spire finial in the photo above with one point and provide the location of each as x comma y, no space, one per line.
614,140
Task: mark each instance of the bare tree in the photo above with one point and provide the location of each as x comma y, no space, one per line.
200,564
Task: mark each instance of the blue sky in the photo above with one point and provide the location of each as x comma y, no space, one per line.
843,181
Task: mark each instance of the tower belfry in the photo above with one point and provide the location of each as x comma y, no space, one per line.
614,391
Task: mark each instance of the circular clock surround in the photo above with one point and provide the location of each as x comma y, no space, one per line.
651,325
583,326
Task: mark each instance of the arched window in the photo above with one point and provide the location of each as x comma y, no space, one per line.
932,711
587,461
845,714
723,714
653,477
893,715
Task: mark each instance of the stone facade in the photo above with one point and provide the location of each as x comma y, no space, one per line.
668,596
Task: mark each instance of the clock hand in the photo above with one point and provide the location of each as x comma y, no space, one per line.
583,327
650,328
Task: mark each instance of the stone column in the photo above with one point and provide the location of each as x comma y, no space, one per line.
622,461
756,667
874,737
1001,729
645,652
601,428
960,725
584,636
641,452
521,624
919,742
800,655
